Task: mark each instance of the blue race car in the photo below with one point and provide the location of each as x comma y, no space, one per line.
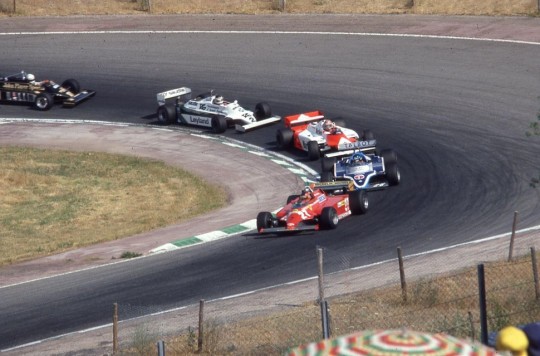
366,171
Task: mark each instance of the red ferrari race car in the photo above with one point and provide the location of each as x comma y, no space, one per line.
311,132
320,206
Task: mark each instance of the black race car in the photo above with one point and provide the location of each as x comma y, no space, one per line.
22,87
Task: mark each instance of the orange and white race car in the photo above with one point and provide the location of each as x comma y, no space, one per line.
319,206
315,134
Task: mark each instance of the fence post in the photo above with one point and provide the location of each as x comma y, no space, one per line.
320,273
402,276
115,328
482,304
161,348
324,320
201,327
535,273
511,252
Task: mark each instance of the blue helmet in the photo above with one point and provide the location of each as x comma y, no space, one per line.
357,158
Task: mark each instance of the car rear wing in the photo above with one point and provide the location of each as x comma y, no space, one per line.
349,148
332,186
303,118
173,93
254,125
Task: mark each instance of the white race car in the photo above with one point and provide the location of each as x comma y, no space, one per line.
210,110
313,133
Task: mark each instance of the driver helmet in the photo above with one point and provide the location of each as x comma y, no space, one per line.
357,159
328,125
219,99
307,192
30,77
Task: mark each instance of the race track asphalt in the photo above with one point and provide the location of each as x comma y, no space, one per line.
455,110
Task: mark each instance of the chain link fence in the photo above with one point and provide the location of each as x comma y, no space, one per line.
440,294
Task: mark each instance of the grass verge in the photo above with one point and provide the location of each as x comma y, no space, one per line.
54,201
131,7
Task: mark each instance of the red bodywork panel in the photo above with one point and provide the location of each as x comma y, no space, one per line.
300,122
298,210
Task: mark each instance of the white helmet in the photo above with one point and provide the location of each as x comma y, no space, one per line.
218,100
30,77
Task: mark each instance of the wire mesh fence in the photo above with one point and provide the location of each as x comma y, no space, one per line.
442,295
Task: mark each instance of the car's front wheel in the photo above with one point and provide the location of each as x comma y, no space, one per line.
44,101
314,153
72,85
262,111
264,220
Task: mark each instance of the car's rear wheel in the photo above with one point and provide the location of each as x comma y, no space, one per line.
327,164
72,85
392,173
358,202
262,111
219,124
327,176
43,102
166,114
389,155
314,153
329,218
367,135
284,138
264,220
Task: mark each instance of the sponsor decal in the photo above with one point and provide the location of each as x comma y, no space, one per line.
345,145
345,203
321,198
359,177
198,120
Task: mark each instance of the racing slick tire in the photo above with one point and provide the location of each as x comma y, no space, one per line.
389,156
327,164
392,174
264,220
358,202
72,85
44,101
368,135
166,114
314,153
284,138
327,176
262,111
219,124
290,198
329,218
